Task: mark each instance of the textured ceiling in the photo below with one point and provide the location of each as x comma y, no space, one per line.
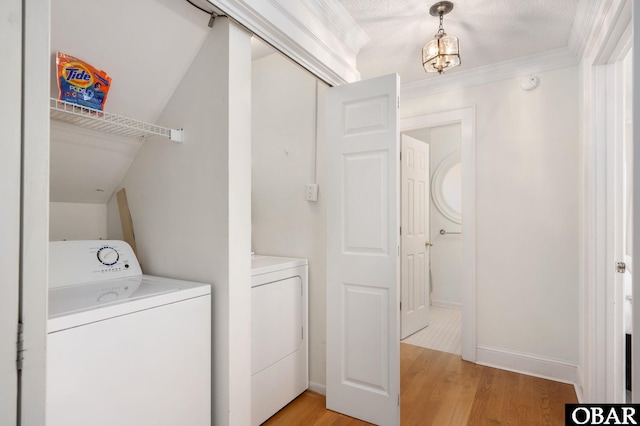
489,31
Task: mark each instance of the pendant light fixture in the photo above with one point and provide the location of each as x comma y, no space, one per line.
443,52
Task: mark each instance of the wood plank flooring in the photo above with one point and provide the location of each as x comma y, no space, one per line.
438,388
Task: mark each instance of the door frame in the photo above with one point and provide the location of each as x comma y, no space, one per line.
34,238
10,183
466,117
596,375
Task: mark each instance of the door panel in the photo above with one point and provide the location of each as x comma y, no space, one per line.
362,250
415,237
364,191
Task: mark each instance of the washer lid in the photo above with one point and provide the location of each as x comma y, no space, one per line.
75,305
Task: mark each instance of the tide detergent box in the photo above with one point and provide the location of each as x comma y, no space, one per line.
80,83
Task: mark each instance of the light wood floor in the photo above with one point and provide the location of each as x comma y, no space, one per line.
438,388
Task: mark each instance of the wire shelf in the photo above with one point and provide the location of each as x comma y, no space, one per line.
109,123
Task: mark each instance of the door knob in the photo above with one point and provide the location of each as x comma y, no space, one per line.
428,244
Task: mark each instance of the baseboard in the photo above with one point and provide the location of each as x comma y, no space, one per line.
445,304
317,388
532,365
579,385
578,390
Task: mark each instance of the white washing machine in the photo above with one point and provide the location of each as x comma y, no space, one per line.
279,334
124,348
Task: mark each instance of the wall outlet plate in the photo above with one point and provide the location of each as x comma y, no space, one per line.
312,192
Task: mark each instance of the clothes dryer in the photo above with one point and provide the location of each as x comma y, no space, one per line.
279,334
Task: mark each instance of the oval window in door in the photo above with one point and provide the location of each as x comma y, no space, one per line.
446,187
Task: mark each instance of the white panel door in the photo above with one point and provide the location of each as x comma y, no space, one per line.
10,117
363,330
415,239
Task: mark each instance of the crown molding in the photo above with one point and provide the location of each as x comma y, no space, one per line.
336,17
612,20
295,28
583,23
513,68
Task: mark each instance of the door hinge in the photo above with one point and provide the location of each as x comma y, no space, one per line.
20,347
400,305
398,102
398,400
621,267
400,155
401,230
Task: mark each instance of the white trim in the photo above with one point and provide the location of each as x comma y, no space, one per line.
605,43
35,207
466,116
635,23
586,16
519,67
317,388
335,16
445,304
10,165
579,388
301,31
531,365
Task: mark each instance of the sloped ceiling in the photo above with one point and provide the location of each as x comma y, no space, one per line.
146,46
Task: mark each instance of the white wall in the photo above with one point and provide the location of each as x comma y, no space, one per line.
283,157
190,205
77,221
528,158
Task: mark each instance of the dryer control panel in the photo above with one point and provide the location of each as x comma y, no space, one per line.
86,261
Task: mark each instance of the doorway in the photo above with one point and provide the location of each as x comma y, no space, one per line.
463,118
442,329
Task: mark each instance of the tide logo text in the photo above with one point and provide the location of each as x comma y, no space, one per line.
77,74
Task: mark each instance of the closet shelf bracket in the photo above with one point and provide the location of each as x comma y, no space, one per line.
109,123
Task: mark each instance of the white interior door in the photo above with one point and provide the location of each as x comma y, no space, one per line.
415,239
363,330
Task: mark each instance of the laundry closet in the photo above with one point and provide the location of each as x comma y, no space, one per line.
189,182
189,201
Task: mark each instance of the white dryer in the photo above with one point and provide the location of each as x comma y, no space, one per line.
124,348
279,334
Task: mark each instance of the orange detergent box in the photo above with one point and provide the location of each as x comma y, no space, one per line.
81,83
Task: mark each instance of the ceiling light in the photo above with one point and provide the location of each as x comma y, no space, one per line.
443,52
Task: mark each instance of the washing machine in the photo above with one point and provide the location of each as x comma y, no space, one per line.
124,348
279,334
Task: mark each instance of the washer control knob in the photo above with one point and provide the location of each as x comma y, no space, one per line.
108,256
